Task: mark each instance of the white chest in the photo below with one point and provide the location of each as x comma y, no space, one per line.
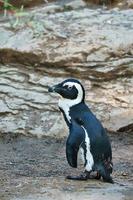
65,107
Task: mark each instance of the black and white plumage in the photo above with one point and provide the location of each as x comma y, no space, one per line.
86,132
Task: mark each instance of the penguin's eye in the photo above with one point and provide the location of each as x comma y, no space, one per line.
69,87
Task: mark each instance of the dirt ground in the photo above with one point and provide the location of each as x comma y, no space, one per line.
35,169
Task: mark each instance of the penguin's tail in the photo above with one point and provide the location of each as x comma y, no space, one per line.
107,178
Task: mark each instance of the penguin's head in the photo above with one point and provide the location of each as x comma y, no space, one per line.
71,91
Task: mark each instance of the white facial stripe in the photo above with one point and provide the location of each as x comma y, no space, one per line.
69,84
66,104
89,157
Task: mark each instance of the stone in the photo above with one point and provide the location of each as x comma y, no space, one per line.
76,4
130,3
50,45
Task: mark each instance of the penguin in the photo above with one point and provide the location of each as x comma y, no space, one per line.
86,133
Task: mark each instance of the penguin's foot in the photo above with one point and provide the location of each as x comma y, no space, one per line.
82,177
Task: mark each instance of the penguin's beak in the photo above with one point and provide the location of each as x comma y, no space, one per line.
51,89
55,88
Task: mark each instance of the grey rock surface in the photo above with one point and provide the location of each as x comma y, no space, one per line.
56,41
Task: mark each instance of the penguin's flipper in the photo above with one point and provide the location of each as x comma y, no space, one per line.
73,143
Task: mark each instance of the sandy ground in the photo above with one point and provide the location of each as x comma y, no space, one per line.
35,169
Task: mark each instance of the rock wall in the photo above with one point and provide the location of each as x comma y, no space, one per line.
52,43
25,105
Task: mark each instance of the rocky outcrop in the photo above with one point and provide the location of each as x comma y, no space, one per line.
52,43
25,105
130,3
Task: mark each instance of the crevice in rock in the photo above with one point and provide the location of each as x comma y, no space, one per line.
128,128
